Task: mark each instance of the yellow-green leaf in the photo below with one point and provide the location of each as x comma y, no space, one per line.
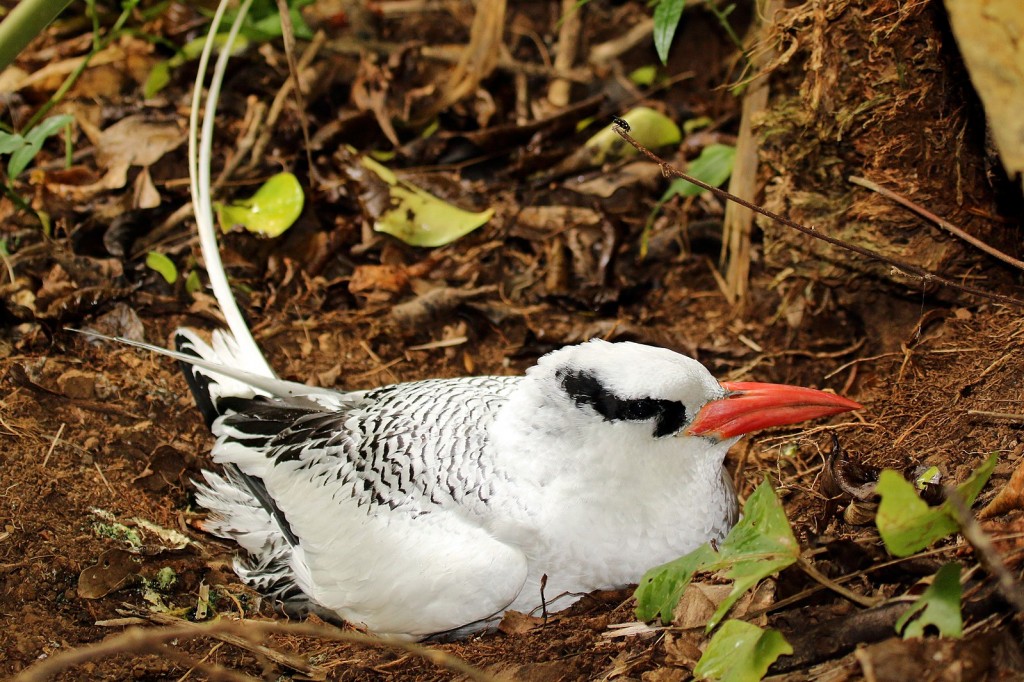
650,128
192,283
163,265
741,652
270,211
419,218
644,75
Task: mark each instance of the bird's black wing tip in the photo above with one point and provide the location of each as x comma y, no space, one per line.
198,382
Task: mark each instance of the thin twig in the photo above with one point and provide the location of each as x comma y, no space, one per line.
941,222
287,660
53,444
825,581
288,34
146,640
985,550
104,478
669,171
998,415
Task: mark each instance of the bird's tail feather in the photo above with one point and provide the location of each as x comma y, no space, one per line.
199,154
221,367
236,512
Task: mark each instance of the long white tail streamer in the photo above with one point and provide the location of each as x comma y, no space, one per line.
270,385
199,155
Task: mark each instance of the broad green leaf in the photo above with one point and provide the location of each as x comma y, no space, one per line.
160,75
273,209
929,475
938,606
648,127
666,19
713,166
662,587
419,218
741,652
907,524
762,543
269,28
34,140
694,124
382,171
162,265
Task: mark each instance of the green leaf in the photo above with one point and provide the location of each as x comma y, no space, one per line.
644,75
741,652
938,606
192,283
10,142
34,140
274,208
163,265
762,543
648,127
907,524
419,218
713,166
666,19
662,587
158,78
48,127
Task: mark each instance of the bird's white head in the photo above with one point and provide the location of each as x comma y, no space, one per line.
670,394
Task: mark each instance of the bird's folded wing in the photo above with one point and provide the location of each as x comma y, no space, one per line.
384,538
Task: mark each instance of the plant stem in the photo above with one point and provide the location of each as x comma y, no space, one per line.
25,22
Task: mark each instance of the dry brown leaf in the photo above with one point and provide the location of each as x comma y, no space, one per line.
988,33
115,569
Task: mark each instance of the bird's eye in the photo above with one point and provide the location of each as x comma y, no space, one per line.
585,389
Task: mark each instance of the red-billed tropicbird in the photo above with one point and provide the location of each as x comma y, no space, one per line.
434,506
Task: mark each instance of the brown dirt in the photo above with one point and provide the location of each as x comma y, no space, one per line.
87,427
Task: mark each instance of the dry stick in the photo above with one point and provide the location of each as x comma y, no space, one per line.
669,171
941,222
825,581
1007,585
56,439
288,33
136,640
998,415
737,226
277,106
284,659
565,57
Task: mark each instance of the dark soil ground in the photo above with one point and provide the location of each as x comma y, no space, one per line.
99,443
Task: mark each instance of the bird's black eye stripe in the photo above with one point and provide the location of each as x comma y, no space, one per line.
585,389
